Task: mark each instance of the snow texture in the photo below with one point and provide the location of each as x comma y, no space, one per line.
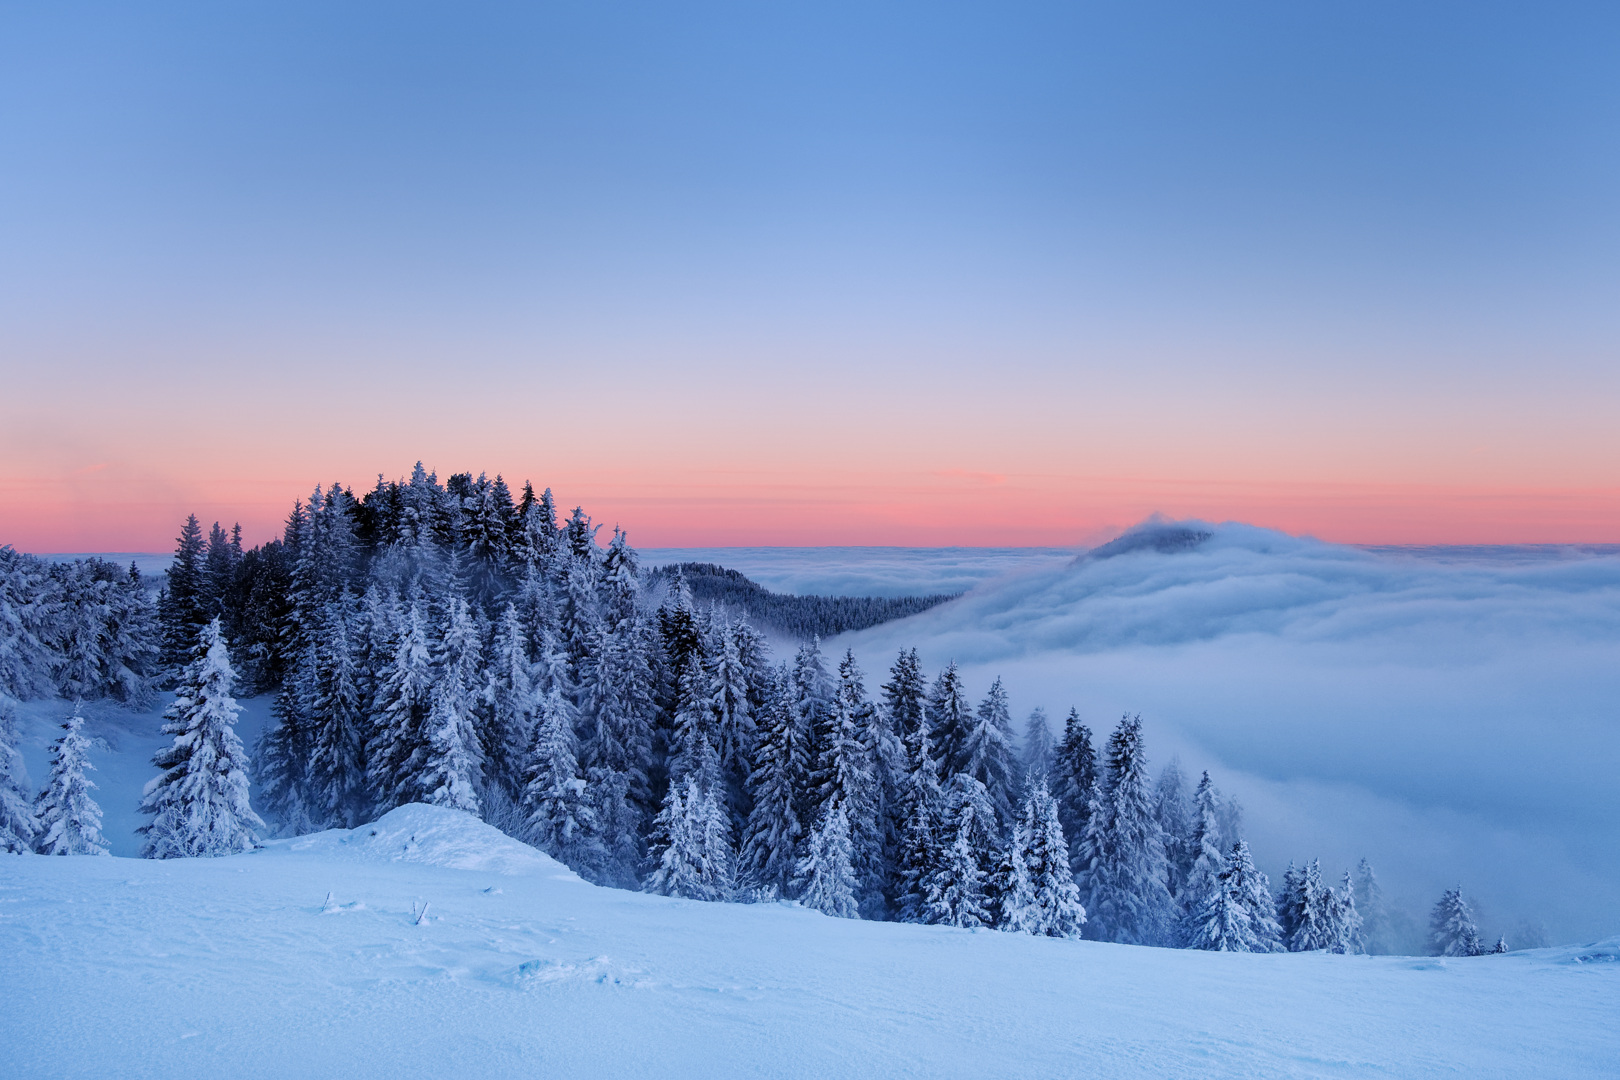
429,944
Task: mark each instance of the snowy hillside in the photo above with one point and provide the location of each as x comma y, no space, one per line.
240,967
1454,720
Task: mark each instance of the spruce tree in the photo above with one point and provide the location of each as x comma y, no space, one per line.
1174,815
987,753
1376,931
1203,845
960,889
920,839
691,846
1040,752
1310,911
1124,873
826,875
199,803
18,824
1043,899
180,605
337,774
1075,781
950,719
1452,930
453,765
557,808
511,703
773,835
1344,922
1233,914
25,624
399,716
69,819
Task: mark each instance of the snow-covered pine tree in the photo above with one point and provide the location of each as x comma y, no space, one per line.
987,754
1376,931
1040,751
1452,930
1174,815
1501,945
399,716
1234,913
1123,873
337,776
844,777
812,703
180,604
691,845
1043,898
511,703
558,814
727,692
1310,911
18,825
694,753
1203,844
1344,922
26,612
69,819
1074,782
960,888
950,719
826,874
453,766
199,803
904,694
774,833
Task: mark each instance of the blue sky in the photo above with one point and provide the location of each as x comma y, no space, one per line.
1378,216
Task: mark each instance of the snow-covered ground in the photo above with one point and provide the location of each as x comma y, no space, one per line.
239,967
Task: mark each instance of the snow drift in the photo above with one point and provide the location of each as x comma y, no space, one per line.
447,949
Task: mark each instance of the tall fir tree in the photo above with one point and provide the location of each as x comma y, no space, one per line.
558,814
199,802
1075,781
826,880
69,819
1307,909
1124,873
987,753
181,611
1202,844
1452,930
692,845
1376,930
774,833
961,889
1043,899
453,762
950,719
1174,814
1233,910
1039,750
399,716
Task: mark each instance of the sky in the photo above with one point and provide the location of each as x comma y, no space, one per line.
792,274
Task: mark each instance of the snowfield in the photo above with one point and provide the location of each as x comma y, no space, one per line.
241,967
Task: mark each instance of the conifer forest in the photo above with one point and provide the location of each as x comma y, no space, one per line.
456,645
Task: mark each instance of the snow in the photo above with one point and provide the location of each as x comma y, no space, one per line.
228,967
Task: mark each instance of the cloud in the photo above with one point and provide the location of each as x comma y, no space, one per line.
1455,719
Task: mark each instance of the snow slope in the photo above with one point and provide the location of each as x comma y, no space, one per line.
236,967
1456,719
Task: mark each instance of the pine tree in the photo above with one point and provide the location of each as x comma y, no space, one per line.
950,720
919,854
511,702
1376,931
453,768
1344,923
1203,844
960,890
844,777
826,875
1170,809
199,803
1234,913
1452,931
399,717
1124,873
1040,752
732,712
1075,781
691,846
1043,898
26,613
18,825
337,773
69,819
1309,908
694,752
904,695
557,809
987,753
180,606
772,837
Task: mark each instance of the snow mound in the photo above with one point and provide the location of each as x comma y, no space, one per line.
433,836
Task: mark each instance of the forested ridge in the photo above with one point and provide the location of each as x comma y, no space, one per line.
456,645
798,617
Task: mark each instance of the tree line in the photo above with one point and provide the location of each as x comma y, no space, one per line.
451,644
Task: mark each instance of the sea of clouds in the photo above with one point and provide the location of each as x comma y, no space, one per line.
1453,714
